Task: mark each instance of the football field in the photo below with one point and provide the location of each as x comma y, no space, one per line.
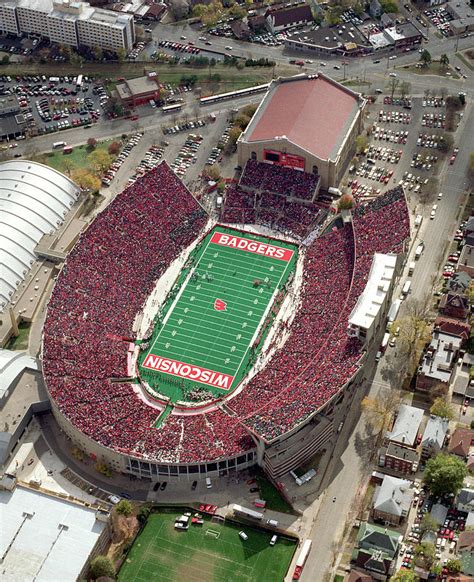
209,332
212,552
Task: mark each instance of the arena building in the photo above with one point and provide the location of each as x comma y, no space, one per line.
307,122
274,367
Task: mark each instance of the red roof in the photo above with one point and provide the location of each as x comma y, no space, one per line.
314,114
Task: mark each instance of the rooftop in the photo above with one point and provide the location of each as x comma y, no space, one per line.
330,37
137,86
312,112
45,538
406,426
394,496
435,432
370,301
438,359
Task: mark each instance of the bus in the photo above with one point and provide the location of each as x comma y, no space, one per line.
79,81
234,94
301,561
384,344
241,511
172,108
393,311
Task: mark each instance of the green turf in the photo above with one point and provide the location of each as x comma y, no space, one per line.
162,553
189,329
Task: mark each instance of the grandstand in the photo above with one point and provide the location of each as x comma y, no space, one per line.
276,416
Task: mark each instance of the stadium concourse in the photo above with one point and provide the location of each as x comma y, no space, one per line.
104,283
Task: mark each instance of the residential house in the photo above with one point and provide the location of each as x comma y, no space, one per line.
465,500
240,29
257,23
466,260
376,550
288,17
436,368
433,437
454,305
356,576
375,9
398,459
405,428
459,282
392,500
461,442
456,327
461,383
469,231
466,552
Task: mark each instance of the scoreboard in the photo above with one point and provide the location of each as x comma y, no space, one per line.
283,159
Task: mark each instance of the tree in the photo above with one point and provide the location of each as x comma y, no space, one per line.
442,408
379,411
445,474
428,523
124,507
242,120
212,172
404,576
86,180
179,8
121,55
102,566
453,566
346,202
444,60
5,60
389,6
100,160
98,53
414,334
405,88
234,134
114,148
91,143
425,555
425,57
445,142
392,85
361,143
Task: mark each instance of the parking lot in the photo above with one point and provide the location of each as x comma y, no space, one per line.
52,104
398,150
439,18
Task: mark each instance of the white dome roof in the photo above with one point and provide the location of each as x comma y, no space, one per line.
33,201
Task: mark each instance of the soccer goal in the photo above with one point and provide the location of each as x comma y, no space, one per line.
213,533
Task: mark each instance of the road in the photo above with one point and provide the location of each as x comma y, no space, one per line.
349,464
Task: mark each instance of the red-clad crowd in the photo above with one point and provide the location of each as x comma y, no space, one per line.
278,180
272,210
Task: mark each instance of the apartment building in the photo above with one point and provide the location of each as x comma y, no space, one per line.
68,22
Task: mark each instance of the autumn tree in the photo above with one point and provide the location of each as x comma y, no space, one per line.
114,148
379,411
124,508
404,576
425,555
392,85
91,143
212,172
361,143
100,160
87,180
102,566
442,408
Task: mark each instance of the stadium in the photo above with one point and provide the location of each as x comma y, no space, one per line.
177,345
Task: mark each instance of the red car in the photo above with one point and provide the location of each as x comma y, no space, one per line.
451,160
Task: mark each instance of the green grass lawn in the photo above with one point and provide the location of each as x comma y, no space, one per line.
195,335
212,552
271,495
20,342
67,163
435,68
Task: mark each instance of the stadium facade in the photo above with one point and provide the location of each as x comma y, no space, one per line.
307,122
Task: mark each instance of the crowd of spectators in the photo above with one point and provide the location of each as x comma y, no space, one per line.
278,180
271,210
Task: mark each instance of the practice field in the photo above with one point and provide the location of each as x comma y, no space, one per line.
211,329
211,552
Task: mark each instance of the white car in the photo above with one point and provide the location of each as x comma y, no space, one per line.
440,195
392,74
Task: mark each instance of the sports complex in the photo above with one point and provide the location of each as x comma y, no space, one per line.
182,345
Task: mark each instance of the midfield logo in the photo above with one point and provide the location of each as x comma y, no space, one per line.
220,305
